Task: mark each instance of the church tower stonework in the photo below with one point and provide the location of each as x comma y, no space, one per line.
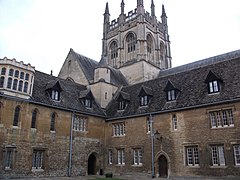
136,43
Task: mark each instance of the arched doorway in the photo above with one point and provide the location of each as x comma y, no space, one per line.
92,164
162,166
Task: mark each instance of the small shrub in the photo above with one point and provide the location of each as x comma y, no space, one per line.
109,175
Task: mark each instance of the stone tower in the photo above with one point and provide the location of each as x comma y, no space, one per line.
137,42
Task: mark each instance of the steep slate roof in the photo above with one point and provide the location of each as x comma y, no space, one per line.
88,65
190,79
69,96
117,78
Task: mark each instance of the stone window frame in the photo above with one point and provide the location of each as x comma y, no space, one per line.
131,40
236,153
120,156
221,118
16,116
35,113
217,152
38,159
113,50
119,129
148,125
9,157
80,123
137,156
110,156
174,122
192,155
53,122
149,44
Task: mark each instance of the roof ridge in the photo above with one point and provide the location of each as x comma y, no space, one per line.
200,63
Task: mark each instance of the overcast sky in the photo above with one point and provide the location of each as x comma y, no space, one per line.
41,32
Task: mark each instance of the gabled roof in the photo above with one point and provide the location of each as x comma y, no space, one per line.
123,95
145,90
194,90
85,94
170,86
88,65
211,77
54,84
69,98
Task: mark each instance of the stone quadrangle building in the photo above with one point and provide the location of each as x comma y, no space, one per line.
129,113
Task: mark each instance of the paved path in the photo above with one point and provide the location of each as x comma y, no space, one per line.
133,177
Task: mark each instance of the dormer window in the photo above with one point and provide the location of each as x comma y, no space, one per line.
213,86
144,100
86,98
88,103
145,95
171,91
213,82
123,99
55,95
54,89
121,105
171,95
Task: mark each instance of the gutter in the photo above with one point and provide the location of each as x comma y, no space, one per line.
52,106
174,110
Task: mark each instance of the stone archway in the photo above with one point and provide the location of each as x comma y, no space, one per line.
163,166
92,164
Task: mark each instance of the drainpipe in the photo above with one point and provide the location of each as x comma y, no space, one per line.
152,139
70,145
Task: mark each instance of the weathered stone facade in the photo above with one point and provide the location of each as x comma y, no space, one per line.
129,113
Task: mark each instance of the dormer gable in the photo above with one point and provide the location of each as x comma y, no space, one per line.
86,98
145,95
171,91
213,81
123,100
54,88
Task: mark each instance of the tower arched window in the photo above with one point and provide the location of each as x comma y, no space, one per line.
149,44
52,125
16,116
162,51
131,42
114,50
34,118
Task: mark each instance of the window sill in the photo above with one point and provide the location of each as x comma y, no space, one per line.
216,166
120,164
137,165
15,127
119,136
237,166
7,169
223,127
196,166
37,170
53,132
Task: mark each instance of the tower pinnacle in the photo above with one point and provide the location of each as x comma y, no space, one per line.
122,7
152,9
